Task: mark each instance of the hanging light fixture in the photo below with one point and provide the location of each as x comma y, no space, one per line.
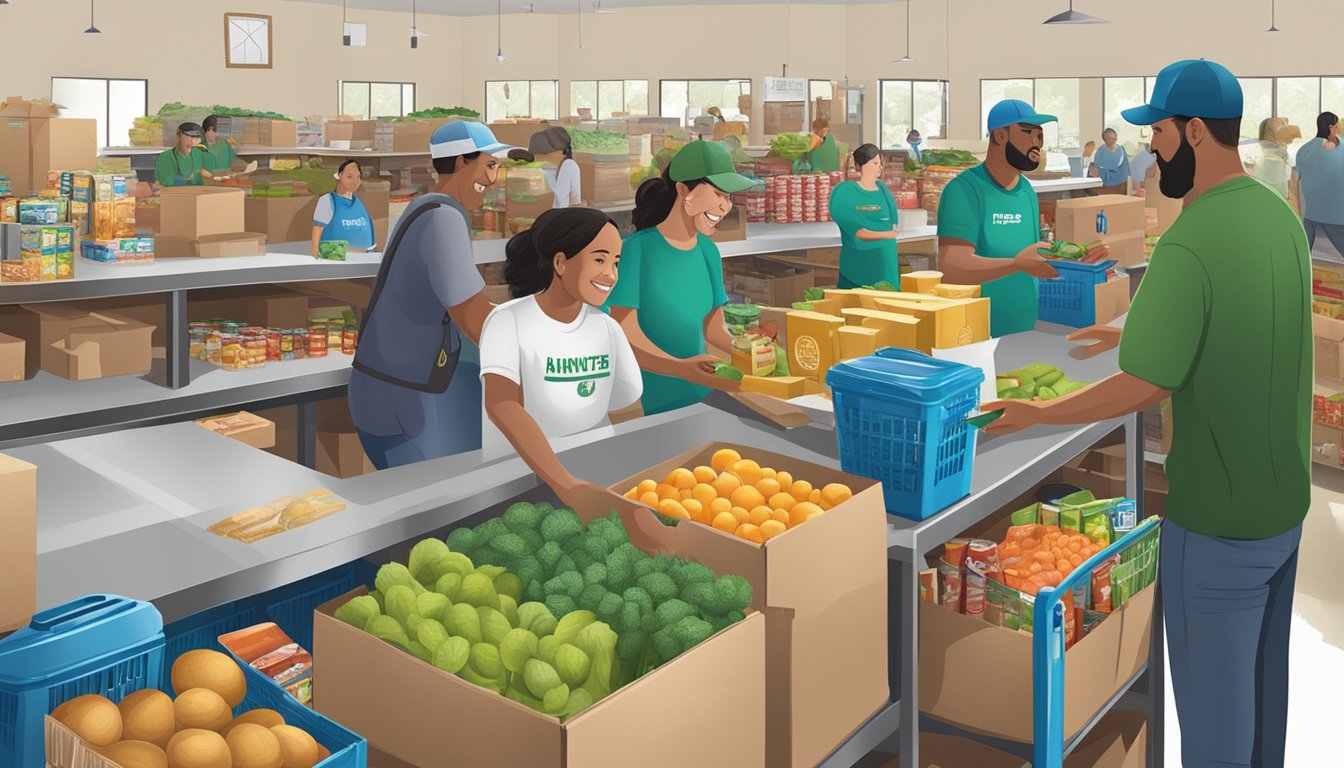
1074,17
1272,28
499,31
345,38
580,12
92,30
415,33
906,59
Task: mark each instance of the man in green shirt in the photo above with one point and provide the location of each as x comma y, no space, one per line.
219,154
1221,324
989,217
182,165
825,153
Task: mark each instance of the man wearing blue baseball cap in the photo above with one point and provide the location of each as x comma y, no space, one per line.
989,220
1222,325
415,391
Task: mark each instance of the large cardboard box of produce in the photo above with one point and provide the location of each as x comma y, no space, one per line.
426,717
77,344
1076,218
281,219
605,182
196,212
823,589
18,547
1126,248
12,352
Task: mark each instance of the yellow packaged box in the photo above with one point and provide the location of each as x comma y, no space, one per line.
783,387
951,325
859,341
896,329
814,344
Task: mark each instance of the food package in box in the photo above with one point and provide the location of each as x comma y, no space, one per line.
40,210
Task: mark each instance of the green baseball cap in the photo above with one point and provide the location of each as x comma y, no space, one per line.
711,161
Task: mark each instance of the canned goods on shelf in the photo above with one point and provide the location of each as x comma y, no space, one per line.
349,339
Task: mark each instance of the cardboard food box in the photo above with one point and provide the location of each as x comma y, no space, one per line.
281,219
894,329
34,141
945,326
339,452
147,217
733,228
18,323
1325,444
398,703
1112,299
268,306
814,344
1076,218
775,285
268,132
823,589
196,212
938,750
1126,249
77,344
1329,343
1120,740
212,246
605,182
246,428
12,351
413,135
353,131
18,547
286,422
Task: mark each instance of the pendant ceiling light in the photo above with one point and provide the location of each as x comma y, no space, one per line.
1074,17
1272,28
906,59
92,30
499,31
415,33
345,38
580,11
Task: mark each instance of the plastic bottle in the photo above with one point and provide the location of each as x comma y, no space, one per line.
1046,235
1101,222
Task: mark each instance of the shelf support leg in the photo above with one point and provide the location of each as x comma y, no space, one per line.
1157,696
307,434
178,341
909,649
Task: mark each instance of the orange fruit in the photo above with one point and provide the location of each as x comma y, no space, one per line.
750,533
747,497
666,491
685,495
647,486
785,480
801,512
747,470
815,498
772,528
717,507
704,493
670,508
726,522
649,499
681,478
695,509
782,515
811,515
632,494
760,515
724,457
704,474
726,483
835,494
801,490
740,514
768,486
782,500
767,472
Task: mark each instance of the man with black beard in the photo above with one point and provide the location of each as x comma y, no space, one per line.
1222,325
989,220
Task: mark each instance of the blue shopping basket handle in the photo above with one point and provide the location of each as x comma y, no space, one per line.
1047,653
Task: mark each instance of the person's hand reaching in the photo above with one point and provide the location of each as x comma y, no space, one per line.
591,501
1105,336
1033,263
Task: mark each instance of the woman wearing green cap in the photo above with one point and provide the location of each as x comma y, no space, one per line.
670,298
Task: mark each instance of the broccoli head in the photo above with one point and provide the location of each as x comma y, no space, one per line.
487,531
463,540
534,592
631,621
591,597
560,605
672,611
529,569
595,574
640,598
568,583
566,565
561,526
596,545
523,517
659,586
511,546
610,607
674,640
687,573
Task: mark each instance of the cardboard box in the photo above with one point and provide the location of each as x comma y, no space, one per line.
286,422
149,310
1112,299
196,212
212,246
267,132
268,306
398,703
18,547
1329,343
1325,444
281,219
339,452
1076,218
938,750
353,131
605,182
772,284
785,117
1126,249
12,351
518,134
18,323
79,345
32,146
1120,740
814,344
246,428
961,657
147,216
733,228
413,136
823,589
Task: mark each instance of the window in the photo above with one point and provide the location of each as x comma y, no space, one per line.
994,91
505,99
906,104
689,99
1059,97
606,98
1119,94
373,100
115,104
1258,104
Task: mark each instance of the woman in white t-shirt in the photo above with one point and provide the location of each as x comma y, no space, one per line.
555,148
553,349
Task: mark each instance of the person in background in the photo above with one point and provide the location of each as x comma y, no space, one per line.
415,391
1089,151
1112,164
1273,168
670,303
716,113
342,216
555,147
1141,168
184,164
219,155
865,211
912,138
552,363
989,220
1320,182
1227,295
825,155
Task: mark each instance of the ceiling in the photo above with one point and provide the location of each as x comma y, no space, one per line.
487,7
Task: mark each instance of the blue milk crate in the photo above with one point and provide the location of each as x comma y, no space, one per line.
102,644
1071,298
900,418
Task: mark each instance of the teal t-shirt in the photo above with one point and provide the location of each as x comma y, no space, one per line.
173,169
219,156
1322,174
865,262
999,223
673,291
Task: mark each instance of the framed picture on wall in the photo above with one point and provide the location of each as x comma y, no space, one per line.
247,41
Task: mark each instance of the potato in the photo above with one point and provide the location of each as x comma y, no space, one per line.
201,708
297,748
211,670
148,715
197,748
254,746
93,718
267,718
135,754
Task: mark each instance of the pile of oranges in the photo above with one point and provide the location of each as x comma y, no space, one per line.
739,497
1035,556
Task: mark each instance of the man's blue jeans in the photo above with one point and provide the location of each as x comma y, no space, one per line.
1228,606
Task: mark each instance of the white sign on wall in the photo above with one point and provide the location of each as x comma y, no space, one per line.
785,89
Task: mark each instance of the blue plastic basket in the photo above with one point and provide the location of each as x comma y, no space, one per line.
900,418
1071,298
101,644
348,749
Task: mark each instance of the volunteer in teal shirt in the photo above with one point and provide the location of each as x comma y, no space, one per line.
865,211
670,298
181,166
219,154
989,221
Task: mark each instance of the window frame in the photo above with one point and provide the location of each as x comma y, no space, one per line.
740,81
107,102
881,101
368,108
531,108
597,101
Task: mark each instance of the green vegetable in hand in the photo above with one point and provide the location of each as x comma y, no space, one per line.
727,371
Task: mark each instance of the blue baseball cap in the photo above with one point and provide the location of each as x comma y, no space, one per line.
465,137
1013,111
1190,88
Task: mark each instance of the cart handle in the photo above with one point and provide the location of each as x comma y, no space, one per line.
1047,653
